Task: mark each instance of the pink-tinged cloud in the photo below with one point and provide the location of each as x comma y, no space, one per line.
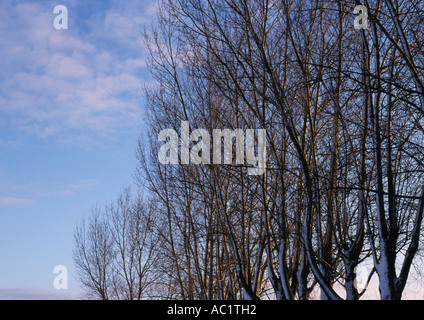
6,201
35,294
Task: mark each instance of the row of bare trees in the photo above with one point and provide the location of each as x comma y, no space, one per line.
343,111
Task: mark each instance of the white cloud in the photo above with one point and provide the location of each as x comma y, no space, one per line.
64,67
70,83
35,294
83,184
6,201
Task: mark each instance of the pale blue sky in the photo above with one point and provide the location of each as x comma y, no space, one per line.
71,110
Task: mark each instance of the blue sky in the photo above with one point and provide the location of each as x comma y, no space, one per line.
71,110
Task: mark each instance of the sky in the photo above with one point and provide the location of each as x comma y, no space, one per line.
71,111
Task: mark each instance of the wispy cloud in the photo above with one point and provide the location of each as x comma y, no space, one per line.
71,83
84,184
35,294
7,201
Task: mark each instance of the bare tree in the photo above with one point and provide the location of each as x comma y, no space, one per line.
327,99
343,113
115,251
93,254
